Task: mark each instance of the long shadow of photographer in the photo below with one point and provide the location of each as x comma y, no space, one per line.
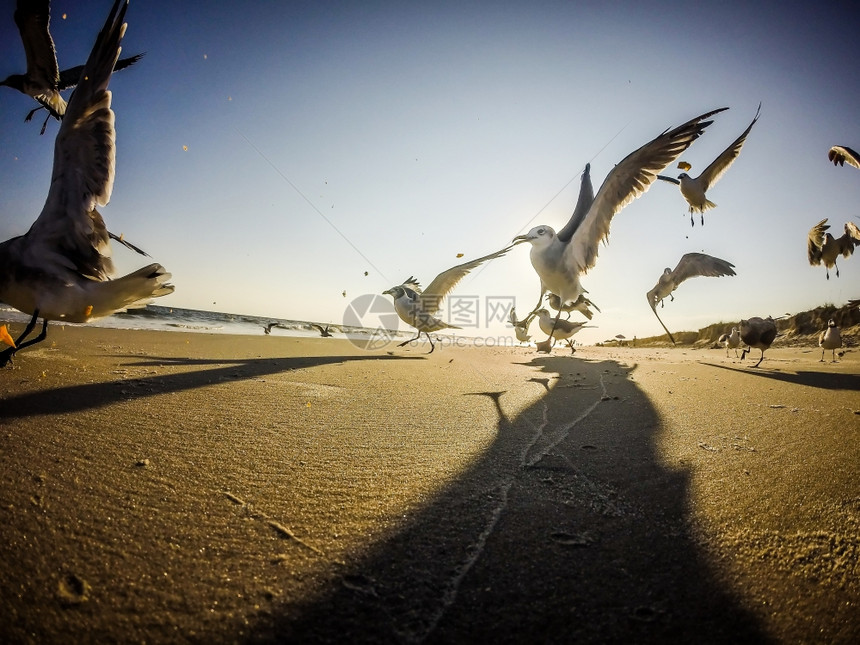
567,529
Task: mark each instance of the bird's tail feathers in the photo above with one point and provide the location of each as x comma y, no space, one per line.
131,291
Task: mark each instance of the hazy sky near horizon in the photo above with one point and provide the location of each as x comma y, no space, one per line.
271,153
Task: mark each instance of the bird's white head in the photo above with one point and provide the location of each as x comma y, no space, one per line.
831,323
539,236
683,175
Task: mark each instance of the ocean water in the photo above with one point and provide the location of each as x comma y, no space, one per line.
156,317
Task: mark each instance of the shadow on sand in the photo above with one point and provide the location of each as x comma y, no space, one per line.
568,529
824,380
77,398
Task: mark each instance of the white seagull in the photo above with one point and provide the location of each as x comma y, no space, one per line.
841,155
60,269
759,333
830,339
419,308
823,248
694,189
556,330
732,340
560,258
691,265
43,80
581,305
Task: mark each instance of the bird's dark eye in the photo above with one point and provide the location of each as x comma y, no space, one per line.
541,231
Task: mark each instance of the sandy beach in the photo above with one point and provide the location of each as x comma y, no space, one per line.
175,487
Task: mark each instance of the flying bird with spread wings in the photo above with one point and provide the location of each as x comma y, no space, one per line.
691,265
43,80
61,268
823,248
694,188
418,308
561,258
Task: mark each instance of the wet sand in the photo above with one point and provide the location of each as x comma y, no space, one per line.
170,487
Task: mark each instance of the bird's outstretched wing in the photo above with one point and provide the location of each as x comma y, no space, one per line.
815,241
32,18
432,296
70,230
693,265
852,231
583,203
69,77
840,155
628,180
720,165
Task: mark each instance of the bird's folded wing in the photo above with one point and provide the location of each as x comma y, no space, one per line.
721,164
432,296
628,180
84,157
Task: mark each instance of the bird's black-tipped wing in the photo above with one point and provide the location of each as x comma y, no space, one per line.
583,203
432,296
720,165
69,77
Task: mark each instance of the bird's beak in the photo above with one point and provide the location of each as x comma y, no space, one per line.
519,239
5,337
388,292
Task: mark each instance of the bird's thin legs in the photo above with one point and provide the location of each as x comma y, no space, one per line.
406,342
7,354
432,346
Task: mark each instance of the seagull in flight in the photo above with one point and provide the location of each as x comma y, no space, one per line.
694,189
418,308
560,258
60,269
732,340
759,333
841,155
43,80
691,265
823,248
324,332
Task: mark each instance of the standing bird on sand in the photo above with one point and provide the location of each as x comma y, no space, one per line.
731,341
419,308
60,269
823,248
841,155
44,81
691,265
556,330
694,189
560,258
759,333
830,339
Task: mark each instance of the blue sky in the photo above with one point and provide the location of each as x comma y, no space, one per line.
270,153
